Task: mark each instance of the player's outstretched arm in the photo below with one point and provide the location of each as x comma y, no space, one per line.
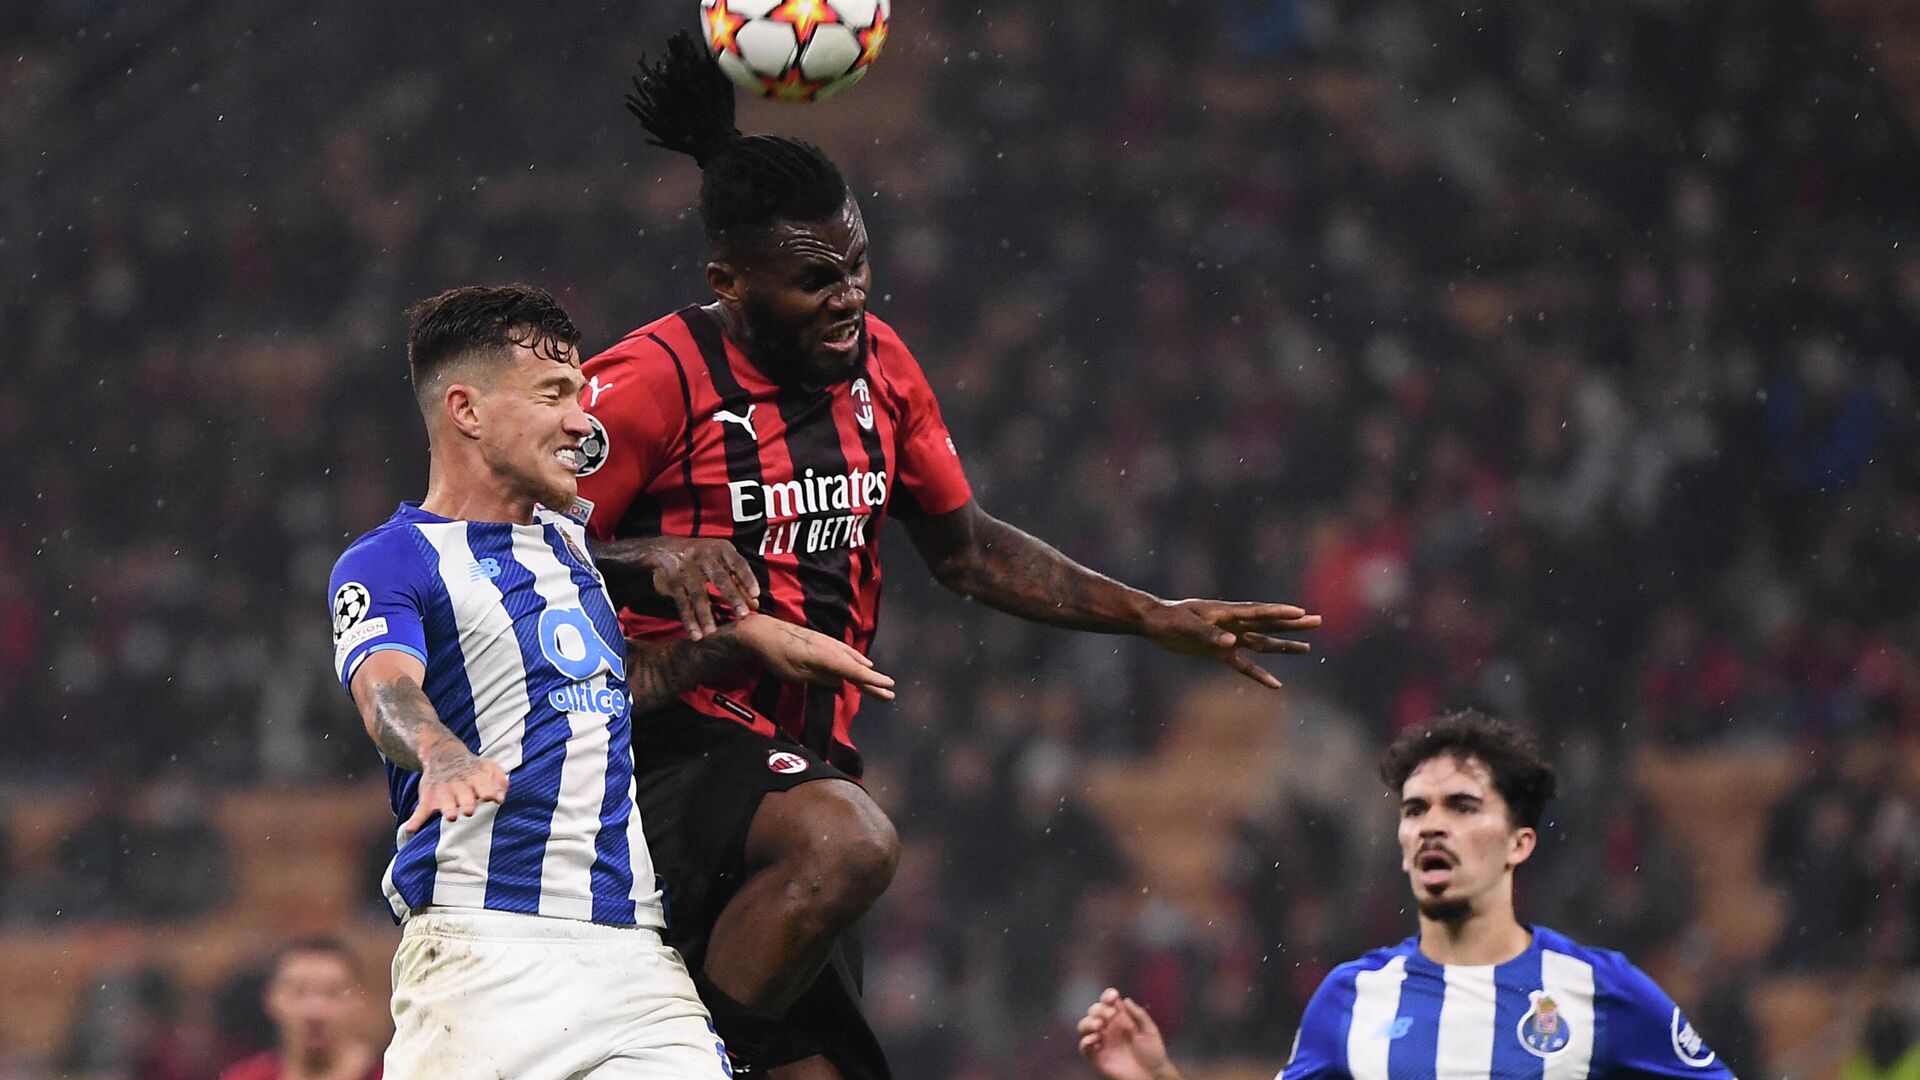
1123,1042
454,781
680,568
796,654
660,670
983,558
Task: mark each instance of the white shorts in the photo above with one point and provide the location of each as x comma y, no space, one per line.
485,994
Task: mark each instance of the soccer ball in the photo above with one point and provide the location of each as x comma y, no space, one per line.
795,50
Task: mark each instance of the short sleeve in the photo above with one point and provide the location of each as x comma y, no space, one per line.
379,591
1645,1033
1320,1046
637,396
928,472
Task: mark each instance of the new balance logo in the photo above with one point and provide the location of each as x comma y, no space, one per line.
483,568
722,416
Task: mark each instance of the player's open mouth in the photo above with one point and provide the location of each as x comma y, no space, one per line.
1435,868
570,457
841,336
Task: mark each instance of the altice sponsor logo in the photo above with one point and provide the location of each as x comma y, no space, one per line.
583,697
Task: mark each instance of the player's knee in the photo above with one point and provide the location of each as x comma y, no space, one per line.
836,848
859,864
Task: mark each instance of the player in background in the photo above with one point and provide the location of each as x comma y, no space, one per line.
1476,993
755,445
313,997
480,645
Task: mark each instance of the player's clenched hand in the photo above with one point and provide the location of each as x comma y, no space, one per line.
454,781
797,654
1219,630
1123,1042
681,568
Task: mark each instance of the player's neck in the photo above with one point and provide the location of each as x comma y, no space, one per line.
1482,938
453,494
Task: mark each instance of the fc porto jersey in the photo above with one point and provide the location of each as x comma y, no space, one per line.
1559,1011
526,665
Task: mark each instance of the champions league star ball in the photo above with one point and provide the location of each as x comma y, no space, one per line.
795,50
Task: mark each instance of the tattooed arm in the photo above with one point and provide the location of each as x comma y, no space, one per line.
454,780
657,671
983,558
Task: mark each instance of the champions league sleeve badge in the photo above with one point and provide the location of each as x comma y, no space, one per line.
1543,1031
593,448
350,604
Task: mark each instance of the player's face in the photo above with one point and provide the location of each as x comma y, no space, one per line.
313,1000
1458,843
803,298
533,423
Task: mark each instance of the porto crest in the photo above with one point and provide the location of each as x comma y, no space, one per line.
1543,1031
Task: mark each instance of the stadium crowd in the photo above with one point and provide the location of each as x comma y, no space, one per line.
1562,356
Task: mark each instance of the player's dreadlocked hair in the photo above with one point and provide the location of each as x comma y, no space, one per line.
1520,771
747,182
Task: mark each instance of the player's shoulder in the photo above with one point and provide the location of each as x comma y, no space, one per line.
645,350
891,360
1614,975
1602,960
882,331
391,546
1343,975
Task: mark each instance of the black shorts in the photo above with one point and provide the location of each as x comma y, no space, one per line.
699,782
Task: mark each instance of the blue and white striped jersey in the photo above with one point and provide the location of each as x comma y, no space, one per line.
526,664
1559,1011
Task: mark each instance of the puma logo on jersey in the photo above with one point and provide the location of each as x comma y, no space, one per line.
722,416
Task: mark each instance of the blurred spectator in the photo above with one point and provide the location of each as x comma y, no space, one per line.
180,866
315,1000
1812,852
129,1026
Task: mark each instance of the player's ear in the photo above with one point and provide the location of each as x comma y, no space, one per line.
460,406
726,281
1524,841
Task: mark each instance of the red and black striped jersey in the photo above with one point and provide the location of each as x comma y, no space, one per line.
697,442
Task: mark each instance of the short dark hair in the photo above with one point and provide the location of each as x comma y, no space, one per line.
1521,773
314,944
485,318
747,182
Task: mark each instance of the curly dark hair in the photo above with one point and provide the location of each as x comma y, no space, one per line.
1520,770
485,318
747,182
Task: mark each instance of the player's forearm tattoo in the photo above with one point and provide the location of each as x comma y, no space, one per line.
1014,571
658,671
408,731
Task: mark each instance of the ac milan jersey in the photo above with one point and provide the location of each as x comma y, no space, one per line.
694,441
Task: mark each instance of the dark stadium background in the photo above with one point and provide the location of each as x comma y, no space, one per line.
1562,354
